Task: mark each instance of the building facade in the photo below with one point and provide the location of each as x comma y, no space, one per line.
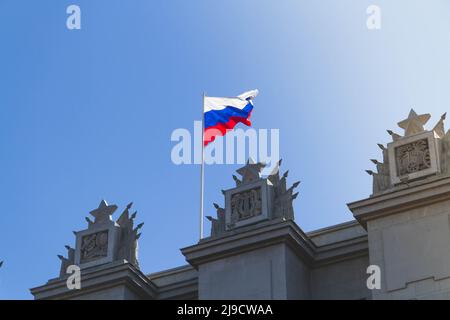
400,235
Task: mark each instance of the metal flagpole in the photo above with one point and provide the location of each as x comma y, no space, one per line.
202,168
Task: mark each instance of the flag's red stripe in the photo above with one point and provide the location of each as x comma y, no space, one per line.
220,129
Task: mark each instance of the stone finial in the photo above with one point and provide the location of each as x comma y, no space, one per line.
283,198
66,262
217,224
274,176
439,128
394,135
89,221
414,123
236,179
128,245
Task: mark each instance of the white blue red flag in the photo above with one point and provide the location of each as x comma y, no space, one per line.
222,114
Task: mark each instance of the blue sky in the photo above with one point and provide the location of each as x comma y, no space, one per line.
87,114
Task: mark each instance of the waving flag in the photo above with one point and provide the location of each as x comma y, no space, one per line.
222,114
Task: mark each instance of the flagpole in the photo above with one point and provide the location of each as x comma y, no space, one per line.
202,178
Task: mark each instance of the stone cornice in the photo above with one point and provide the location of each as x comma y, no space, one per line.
99,278
273,233
255,238
416,195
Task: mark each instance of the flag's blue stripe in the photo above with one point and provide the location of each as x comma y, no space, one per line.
214,117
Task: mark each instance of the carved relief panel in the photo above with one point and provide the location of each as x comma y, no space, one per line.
97,245
413,157
94,246
247,203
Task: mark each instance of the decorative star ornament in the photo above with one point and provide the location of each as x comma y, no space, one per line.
251,171
414,123
103,212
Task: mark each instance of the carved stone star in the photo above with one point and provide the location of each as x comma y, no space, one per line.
103,212
414,123
251,171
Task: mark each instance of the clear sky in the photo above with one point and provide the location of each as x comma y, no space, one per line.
88,114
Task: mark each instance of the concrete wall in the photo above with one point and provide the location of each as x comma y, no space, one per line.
297,277
341,280
412,248
258,274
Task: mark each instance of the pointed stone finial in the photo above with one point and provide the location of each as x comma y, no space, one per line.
236,179
414,123
394,135
274,176
276,169
375,161
439,128
139,226
370,172
89,221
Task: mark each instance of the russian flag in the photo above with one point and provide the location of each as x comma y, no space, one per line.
222,114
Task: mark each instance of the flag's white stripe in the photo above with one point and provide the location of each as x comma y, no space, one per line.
217,103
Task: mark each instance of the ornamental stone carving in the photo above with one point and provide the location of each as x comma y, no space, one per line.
94,246
104,240
254,199
418,154
246,205
412,157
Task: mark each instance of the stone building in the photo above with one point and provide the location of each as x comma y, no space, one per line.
257,251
